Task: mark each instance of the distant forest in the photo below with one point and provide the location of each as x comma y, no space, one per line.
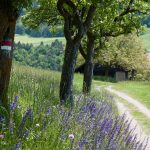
46,31
41,56
42,31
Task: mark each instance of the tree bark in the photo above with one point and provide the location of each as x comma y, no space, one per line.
73,37
89,65
7,30
66,84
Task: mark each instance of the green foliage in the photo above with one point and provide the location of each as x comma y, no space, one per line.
119,17
41,14
126,51
42,56
146,21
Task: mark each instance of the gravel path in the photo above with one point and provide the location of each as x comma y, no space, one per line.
138,130
124,110
134,102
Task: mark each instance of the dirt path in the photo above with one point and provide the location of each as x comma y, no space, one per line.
134,102
124,110
138,130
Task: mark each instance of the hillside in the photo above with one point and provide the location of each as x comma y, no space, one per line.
146,39
38,121
36,41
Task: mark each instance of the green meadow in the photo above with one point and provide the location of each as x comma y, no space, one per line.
146,39
37,41
136,89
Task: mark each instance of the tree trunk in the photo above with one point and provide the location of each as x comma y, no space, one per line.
7,31
75,27
66,84
89,66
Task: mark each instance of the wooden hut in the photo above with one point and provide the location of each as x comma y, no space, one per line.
118,73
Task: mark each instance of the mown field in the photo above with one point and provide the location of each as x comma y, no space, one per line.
36,41
146,39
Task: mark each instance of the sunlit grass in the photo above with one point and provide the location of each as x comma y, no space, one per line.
146,38
139,116
136,89
37,40
139,90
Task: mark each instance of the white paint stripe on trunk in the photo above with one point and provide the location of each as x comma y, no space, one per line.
8,48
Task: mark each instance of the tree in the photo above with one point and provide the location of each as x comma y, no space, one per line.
9,12
76,17
74,29
119,18
126,51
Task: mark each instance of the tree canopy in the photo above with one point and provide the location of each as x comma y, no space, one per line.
126,51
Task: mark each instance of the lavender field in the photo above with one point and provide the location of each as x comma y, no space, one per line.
37,121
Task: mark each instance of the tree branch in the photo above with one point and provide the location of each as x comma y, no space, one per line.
84,26
66,15
82,52
89,17
126,11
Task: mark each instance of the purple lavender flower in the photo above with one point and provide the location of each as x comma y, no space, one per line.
48,111
2,136
82,143
17,146
13,105
16,98
25,117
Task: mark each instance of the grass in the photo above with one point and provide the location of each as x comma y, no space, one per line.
37,121
141,119
137,89
146,38
35,40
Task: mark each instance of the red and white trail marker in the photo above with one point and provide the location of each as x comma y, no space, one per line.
6,45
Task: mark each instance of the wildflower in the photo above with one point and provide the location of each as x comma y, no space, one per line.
1,136
25,117
17,146
16,98
37,125
82,143
48,111
13,105
25,134
71,136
